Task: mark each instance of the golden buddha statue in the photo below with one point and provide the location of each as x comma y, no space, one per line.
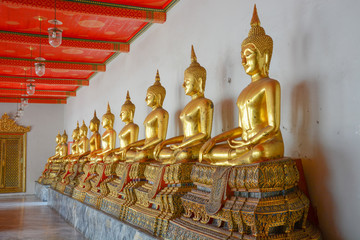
58,166
259,109
75,136
83,142
63,150
45,174
98,183
88,169
196,118
57,148
68,161
155,123
95,139
129,133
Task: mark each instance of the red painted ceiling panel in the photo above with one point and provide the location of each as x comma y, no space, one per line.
93,32
55,54
158,4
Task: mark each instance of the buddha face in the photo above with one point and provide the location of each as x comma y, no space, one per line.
150,99
64,139
125,115
105,122
75,134
190,85
253,62
93,127
81,132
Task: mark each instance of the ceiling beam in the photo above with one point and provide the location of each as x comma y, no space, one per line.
23,62
46,81
49,93
34,100
33,39
93,8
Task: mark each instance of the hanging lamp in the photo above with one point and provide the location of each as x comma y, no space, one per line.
55,34
40,65
30,86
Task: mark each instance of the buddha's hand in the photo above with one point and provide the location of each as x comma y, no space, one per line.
206,148
174,147
139,148
158,149
237,143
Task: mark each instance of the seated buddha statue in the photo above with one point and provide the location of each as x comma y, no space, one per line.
98,183
59,162
155,123
259,110
108,138
45,174
57,148
129,133
95,139
196,118
74,150
82,143
88,159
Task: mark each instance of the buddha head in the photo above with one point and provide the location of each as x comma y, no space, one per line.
58,138
94,123
194,77
64,137
76,133
108,118
83,130
156,93
256,49
127,110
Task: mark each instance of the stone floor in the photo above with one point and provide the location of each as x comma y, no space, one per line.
27,218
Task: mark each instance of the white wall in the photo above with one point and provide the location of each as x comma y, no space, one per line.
45,121
316,53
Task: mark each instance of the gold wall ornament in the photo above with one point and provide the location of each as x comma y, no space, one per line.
9,125
12,155
259,110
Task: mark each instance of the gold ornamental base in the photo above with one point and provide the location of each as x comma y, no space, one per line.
184,228
79,194
255,200
159,199
122,190
93,199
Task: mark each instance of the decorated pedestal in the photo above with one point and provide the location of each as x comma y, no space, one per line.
58,169
122,195
158,200
50,172
89,172
255,201
74,178
99,190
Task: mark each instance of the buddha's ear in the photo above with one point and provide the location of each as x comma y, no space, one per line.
200,84
158,99
266,66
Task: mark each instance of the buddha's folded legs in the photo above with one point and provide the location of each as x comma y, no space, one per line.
186,154
144,155
223,154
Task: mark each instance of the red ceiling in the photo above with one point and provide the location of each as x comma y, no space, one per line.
93,33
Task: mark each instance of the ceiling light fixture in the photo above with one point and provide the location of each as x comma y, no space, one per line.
30,87
40,65
55,34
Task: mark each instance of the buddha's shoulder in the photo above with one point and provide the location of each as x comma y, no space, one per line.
270,81
203,102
